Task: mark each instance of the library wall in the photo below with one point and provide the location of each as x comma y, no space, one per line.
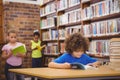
24,18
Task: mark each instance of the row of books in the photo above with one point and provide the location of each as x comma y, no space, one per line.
51,48
48,9
102,8
115,53
63,4
100,47
107,27
63,33
47,23
69,17
50,35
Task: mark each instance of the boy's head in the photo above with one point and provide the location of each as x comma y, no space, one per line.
76,44
12,36
36,36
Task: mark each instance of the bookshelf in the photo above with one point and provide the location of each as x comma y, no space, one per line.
97,20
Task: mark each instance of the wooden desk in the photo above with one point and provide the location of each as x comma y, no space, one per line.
103,72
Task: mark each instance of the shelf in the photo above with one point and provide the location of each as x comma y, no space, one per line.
77,6
46,3
105,17
105,36
70,24
50,13
52,27
49,40
99,56
110,16
52,55
95,1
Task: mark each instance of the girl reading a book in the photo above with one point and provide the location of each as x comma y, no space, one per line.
36,50
75,46
12,61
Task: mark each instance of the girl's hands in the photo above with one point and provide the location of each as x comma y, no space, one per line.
20,55
10,53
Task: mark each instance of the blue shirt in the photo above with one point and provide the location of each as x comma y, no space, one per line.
66,57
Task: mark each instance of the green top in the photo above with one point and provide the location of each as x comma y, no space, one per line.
36,53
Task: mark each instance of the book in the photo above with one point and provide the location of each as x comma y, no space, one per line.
40,47
81,66
20,49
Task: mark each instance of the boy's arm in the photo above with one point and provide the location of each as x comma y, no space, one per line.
95,64
58,65
5,55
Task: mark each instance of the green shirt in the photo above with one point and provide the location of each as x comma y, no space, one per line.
36,53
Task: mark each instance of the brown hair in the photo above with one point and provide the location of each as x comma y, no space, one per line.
76,42
11,31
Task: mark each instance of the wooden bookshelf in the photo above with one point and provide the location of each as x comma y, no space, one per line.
70,24
90,19
106,17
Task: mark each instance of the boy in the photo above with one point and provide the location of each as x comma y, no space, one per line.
76,45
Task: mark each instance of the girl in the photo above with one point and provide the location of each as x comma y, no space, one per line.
36,51
12,61
75,46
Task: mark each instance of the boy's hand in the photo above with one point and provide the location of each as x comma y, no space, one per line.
93,64
66,65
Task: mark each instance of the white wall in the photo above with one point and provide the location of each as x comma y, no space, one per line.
25,1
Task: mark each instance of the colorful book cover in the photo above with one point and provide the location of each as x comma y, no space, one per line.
20,49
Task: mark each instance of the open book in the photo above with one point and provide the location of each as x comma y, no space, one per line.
81,66
20,49
40,47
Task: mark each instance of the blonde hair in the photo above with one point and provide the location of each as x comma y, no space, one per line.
11,31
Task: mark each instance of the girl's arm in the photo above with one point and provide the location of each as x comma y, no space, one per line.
21,55
5,55
58,65
31,47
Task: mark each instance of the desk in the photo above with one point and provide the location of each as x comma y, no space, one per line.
103,72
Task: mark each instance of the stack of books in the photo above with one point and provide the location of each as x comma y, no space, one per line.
115,53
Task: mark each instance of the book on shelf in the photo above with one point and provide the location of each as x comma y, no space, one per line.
72,29
69,17
48,9
19,50
101,8
62,4
51,34
73,2
81,66
100,47
51,48
61,34
47,23
102,28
